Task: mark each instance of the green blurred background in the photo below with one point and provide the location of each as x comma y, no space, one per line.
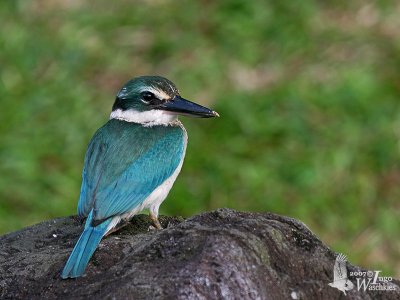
308,94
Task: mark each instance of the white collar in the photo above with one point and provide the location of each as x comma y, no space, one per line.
146,118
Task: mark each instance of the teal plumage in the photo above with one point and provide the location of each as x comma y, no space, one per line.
124,163
84,248
131,162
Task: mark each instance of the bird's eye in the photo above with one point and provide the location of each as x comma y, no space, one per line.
147,97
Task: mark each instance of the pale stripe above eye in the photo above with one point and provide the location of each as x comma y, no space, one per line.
160,94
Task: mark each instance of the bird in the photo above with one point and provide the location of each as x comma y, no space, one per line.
131,162
340,279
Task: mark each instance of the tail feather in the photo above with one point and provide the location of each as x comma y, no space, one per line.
84,249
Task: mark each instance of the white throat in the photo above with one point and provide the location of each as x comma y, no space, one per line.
146,118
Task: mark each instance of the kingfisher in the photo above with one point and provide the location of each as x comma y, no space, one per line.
131,162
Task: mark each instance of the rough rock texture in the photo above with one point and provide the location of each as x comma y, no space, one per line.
223,254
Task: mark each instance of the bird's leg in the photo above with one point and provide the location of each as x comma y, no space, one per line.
154,218
120,224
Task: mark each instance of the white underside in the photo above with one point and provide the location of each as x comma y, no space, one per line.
154,200
146,118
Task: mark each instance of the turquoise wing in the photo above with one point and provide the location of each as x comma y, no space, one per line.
92,165
124,163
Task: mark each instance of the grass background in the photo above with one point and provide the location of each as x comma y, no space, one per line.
308,94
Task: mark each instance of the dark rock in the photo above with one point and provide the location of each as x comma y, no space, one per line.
223,254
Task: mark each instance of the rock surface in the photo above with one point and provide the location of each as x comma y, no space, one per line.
223,254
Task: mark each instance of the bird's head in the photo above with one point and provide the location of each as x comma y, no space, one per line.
154,100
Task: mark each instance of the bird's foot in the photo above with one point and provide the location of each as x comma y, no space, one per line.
151,228
156,223
121,224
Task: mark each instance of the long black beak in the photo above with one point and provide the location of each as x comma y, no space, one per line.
182,106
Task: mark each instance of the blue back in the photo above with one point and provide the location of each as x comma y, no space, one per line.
124,163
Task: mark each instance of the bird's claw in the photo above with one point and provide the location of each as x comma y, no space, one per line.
151,228
156,222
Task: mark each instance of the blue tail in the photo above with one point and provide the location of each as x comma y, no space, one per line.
84,248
